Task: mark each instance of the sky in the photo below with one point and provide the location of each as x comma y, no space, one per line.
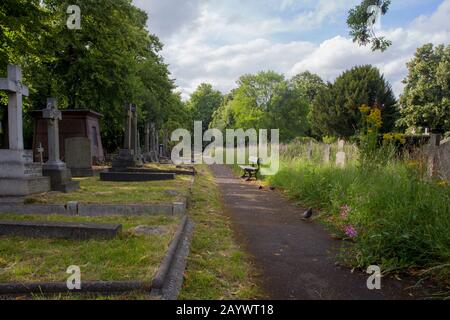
217,41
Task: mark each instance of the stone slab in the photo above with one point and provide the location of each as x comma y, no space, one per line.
82,173
44,209
78,153
59,230
11,187
136,209
135,176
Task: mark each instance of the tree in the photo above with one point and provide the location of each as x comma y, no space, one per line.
336,107
361,19
264,101
112,60
426,98
203,103
309,84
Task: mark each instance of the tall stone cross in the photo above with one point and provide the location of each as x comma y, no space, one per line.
53,116
16,90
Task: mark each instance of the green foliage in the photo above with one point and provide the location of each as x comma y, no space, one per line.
203,103
359,28
265,101
112,60
336,107
426,99
403,223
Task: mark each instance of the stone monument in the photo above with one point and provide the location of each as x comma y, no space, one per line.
60,176
19,175
129,156
79,156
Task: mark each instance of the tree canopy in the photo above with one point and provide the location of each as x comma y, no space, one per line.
336,108
425,101
361,20
112,60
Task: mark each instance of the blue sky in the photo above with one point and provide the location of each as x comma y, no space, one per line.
216,41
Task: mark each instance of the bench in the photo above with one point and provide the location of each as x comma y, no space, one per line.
253,169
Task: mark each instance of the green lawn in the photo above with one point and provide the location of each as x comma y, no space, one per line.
128,257
95,191
217,268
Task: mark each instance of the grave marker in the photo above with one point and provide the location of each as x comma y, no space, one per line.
341,156
19,176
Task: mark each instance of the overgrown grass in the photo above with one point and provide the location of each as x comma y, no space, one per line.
95,191
403,222
217,268
127,257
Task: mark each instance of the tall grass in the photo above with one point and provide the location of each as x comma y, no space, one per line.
402,221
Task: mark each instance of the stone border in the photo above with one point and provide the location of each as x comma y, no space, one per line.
166,283
74,208
169,278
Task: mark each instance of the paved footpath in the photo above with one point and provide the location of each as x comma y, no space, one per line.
296,259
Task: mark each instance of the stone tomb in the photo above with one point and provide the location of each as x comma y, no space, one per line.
60,176
59,230
19,175
74,124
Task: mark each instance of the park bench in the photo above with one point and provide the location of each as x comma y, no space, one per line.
252,169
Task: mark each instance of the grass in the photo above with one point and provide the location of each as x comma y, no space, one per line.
403,222
217,268
127,257
95,191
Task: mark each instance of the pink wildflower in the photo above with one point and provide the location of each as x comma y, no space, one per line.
350,231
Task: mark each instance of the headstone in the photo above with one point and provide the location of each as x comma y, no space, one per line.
432,151
129,156
326,153
59,230
60,176
340,155
19,176
309,151
153,143
79,157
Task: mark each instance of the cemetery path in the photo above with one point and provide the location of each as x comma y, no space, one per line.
295,259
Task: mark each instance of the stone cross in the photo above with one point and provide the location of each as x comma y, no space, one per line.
15,89
53,116
128,125
40,151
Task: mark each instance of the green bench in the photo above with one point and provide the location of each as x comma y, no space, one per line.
252,169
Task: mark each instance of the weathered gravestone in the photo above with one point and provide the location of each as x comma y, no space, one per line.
341,156
19,175
60,176
129,156
309,151
59,230
79,156
326,153
438,154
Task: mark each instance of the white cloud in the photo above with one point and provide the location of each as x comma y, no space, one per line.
217,41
